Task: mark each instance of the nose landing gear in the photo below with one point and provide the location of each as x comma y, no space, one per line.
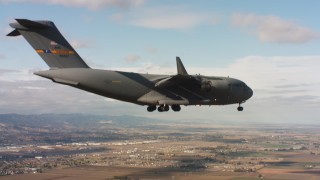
240,108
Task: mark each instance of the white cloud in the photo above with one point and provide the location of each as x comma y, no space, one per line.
286,86
131,58
170,21
291,74
117,17
166,18
81,43
43,96
270,76
92,4
6,71
17,75
274,29
2,56
284,76
152,50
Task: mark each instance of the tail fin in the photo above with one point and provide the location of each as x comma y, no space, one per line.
48,42
180,68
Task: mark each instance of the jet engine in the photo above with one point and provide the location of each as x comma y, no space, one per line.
206,85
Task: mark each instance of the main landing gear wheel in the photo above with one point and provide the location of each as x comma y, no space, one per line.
176,108
163,108
151,108
160,109
166,108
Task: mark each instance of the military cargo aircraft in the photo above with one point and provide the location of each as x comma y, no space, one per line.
155,91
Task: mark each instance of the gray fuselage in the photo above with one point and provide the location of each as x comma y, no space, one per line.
140,88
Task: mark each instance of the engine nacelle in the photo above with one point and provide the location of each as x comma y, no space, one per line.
206,85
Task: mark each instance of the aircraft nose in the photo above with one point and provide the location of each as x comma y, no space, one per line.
250,92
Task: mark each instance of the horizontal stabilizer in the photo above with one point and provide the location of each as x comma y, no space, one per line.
51,74
32,24
14,33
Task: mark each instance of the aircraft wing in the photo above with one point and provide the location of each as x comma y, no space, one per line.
177,89
182,77
172,95
176,80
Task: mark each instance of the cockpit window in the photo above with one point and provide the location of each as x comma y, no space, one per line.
239,85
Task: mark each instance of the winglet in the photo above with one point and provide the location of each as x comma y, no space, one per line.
180,67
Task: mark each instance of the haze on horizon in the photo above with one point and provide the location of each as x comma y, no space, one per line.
274,50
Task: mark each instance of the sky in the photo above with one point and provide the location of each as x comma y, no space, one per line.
273,46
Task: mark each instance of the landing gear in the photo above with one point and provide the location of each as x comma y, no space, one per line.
163,108
160,108
176,107
240,108
151,108
166,108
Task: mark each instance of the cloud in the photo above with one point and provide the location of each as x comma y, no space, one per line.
166,18
152,50
81,43
169,21
131,58
2,56
274,29
13,75
286,86
23,92
117,17
269,76
295,75
34,97
7,71
92,4
270,73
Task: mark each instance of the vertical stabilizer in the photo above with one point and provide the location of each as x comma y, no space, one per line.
180,68
48,42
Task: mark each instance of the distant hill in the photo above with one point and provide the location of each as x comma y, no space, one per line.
65,128
75,120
